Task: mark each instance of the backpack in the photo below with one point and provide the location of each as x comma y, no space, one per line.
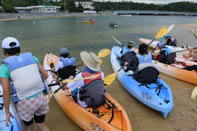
93,94
143,76
131,58
66,72
167,58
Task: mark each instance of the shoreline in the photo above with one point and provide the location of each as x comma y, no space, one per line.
20,16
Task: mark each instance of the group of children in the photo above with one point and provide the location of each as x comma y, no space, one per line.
17,68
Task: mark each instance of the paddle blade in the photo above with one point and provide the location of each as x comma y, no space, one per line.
170,27
110,78
192,31
163,31
100,62
103,53
194,94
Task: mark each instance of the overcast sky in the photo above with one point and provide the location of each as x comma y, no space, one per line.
161,1
152,1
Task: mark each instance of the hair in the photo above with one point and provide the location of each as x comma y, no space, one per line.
12,51
143,49
65,55
129,46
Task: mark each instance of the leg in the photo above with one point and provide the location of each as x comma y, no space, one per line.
28,125
40,122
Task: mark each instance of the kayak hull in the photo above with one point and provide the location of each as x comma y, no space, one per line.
89,22
84,116
174,71
16,124
149,96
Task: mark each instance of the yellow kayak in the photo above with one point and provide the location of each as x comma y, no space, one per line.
108,119
89,22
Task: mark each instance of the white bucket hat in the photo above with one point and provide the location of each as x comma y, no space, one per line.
6,43
91,60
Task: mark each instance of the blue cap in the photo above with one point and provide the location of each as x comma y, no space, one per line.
64,51
166,36
160,44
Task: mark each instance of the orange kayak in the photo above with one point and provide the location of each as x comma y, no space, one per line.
84,117
89,22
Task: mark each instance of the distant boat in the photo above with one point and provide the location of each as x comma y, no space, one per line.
113,24
89,22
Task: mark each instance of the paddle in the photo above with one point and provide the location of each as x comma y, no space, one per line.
117,40
103,53
108,80
193,33
163,31
184,50
170,27
63,83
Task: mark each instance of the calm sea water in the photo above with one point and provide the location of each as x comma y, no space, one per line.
40,36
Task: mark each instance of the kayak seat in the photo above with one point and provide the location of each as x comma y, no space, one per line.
66,72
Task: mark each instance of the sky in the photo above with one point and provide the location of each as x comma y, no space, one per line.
151,1
161,1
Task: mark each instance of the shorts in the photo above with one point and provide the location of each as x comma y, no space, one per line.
30,107
38,119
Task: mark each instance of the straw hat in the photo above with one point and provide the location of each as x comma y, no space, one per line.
91,60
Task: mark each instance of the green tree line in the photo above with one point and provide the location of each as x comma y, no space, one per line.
8,5
178,6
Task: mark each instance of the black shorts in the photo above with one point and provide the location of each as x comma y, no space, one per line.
37,119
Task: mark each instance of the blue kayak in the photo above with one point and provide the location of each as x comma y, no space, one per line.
157,96
15,122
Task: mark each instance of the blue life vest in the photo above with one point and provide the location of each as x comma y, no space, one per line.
166,49
144,59
125,50
68,61
25,75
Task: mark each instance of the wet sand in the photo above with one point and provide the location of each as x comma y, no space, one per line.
182,118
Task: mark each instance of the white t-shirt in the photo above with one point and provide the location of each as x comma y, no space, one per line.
78,84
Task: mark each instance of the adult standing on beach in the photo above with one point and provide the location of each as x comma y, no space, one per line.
27,76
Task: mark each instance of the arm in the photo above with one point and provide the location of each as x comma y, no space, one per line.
43,71
6,98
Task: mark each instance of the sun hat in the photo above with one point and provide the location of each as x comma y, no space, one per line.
91,60
130,43
10,42
64,51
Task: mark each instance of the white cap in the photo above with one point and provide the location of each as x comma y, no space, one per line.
6,43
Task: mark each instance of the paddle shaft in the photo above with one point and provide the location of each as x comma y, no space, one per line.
184,50
194,34
151,42
117,40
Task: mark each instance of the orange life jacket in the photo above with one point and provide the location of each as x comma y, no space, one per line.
88,74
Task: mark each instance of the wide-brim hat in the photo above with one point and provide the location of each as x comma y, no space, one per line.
91,60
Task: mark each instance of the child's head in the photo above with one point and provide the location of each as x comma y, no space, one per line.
143,49
64,52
